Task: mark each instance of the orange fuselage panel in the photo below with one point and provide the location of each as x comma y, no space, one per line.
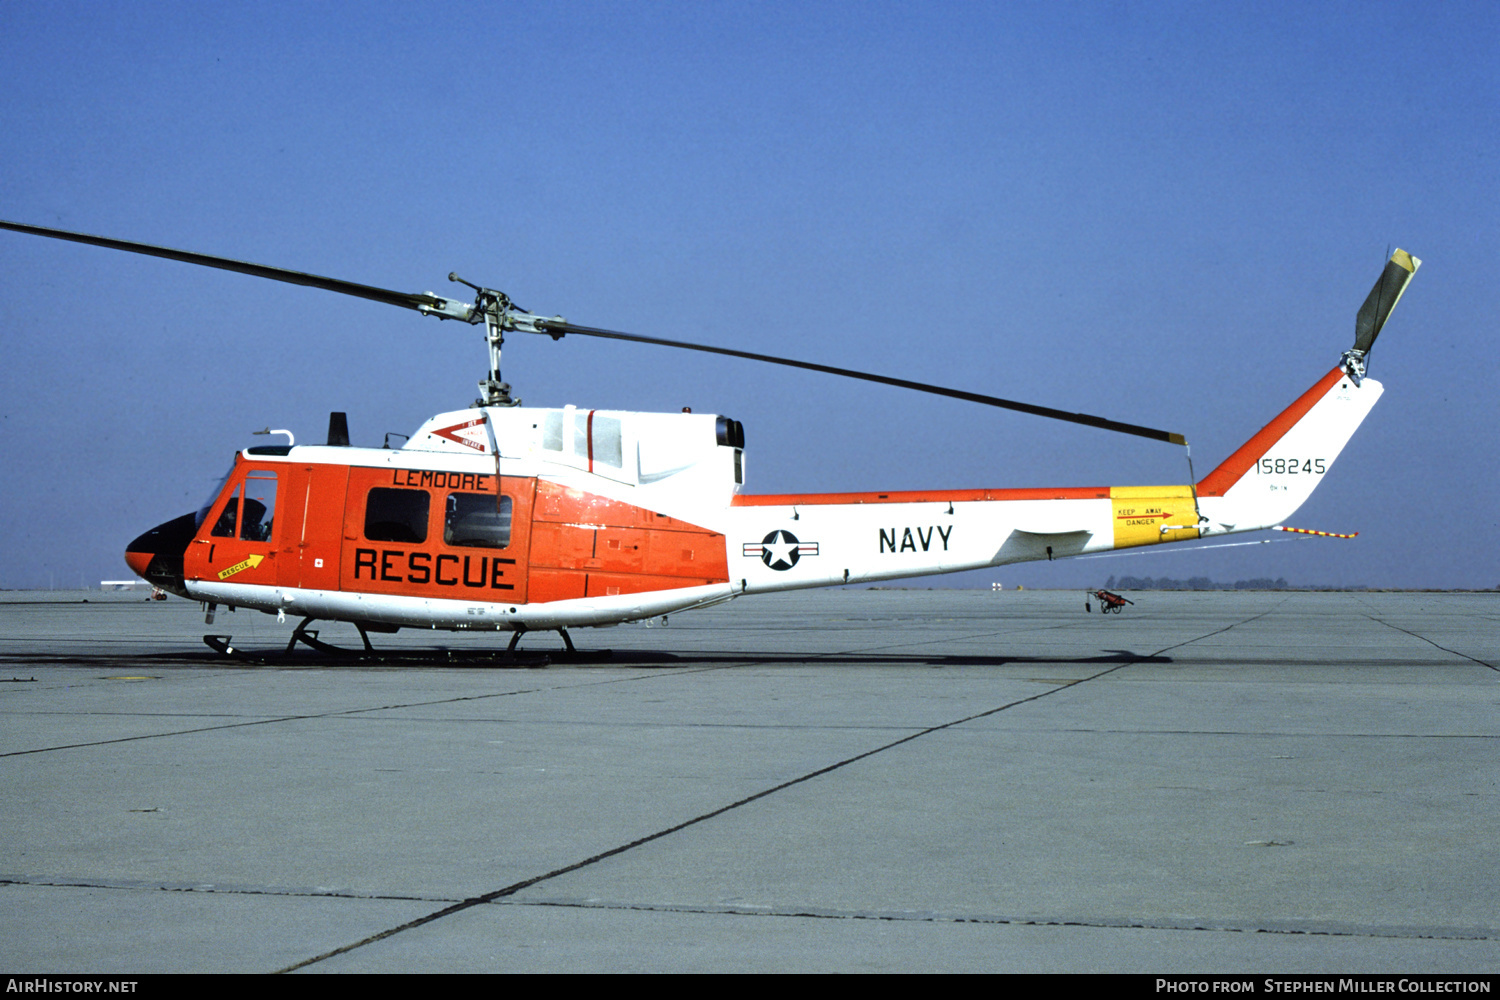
391,531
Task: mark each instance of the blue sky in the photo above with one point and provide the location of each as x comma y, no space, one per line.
1162,213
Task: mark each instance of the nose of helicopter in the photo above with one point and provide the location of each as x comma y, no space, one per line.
138,562
156,556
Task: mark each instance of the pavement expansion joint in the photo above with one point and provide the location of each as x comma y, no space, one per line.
136,885
1418,635
343,713
1309,927
517,887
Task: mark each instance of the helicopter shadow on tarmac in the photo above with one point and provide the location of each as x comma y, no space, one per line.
500,660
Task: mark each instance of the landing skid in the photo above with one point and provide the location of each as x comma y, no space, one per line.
220,644
569,653
301,634
309,637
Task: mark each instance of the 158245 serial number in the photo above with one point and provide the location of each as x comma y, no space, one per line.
1289,466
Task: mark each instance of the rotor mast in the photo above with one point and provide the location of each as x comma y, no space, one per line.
499,314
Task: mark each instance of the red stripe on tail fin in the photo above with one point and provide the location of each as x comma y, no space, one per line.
1218,482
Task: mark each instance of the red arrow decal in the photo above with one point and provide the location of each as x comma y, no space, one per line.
451,435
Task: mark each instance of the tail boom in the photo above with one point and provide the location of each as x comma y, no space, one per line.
792,541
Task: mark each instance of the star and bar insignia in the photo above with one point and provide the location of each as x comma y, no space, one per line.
780,550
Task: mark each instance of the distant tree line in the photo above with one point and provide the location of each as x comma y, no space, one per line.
1204,583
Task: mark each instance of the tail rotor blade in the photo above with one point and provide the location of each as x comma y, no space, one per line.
1383,298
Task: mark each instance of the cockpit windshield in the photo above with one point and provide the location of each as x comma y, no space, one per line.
213,495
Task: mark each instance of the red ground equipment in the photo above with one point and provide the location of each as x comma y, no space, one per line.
1107,601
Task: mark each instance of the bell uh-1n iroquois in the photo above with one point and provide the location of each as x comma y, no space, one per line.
514,519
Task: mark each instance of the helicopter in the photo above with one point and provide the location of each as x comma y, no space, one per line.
512,519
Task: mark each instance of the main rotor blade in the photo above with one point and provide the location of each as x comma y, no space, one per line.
553,326
404,299
453,309
1383,298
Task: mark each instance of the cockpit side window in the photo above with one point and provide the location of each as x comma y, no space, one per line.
251,510
229,519
259,506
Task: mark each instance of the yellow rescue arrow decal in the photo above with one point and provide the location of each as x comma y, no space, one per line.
250,562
